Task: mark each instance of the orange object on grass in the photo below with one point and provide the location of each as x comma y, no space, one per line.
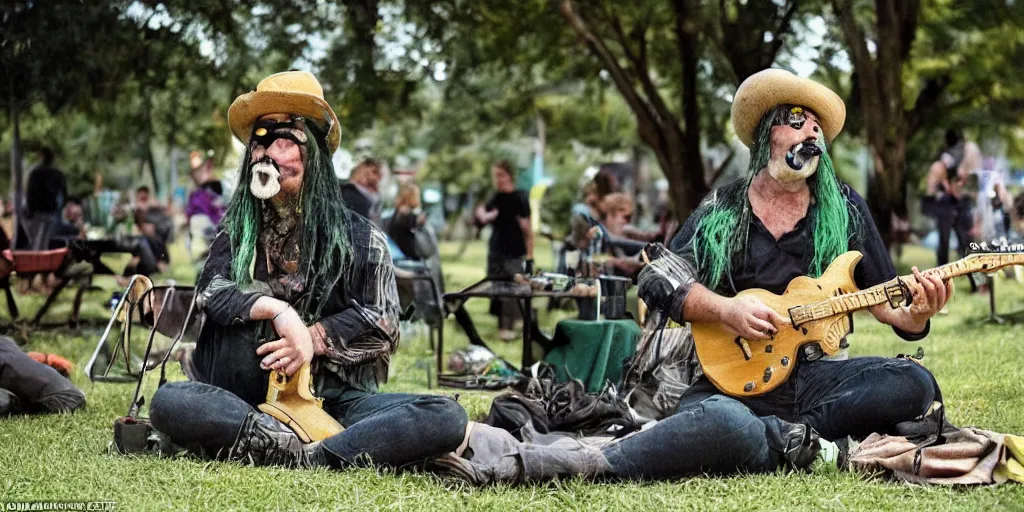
63,366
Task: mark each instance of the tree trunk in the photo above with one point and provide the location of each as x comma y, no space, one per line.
888,186
17,171
148,157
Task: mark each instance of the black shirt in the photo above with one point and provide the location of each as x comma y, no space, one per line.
45,191
507,238
771,264
359,202
400,229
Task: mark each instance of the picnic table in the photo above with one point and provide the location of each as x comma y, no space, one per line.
524,291
28,263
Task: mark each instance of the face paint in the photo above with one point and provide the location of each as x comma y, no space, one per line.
795,149
270,177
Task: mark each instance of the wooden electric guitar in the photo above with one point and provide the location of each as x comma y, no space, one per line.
291,401
820,311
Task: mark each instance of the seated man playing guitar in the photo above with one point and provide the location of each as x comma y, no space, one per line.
294,278
789,217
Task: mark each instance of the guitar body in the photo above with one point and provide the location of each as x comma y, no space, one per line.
291,401
740,367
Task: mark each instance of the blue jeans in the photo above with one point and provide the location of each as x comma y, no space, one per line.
716,435
391,429
713,433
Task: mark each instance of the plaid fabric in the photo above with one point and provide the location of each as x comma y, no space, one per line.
360,318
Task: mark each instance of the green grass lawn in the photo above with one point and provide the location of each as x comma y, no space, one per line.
980,367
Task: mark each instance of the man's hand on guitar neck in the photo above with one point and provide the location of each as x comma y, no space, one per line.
930,294
744,316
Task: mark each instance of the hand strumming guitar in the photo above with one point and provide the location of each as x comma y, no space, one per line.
750,318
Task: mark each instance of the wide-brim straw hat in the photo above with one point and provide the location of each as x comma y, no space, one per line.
770,88
291,92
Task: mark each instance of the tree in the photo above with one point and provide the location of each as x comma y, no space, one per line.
902,89
36,44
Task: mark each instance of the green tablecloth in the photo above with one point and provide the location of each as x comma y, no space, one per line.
593,351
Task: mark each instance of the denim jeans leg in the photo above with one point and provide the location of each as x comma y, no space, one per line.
715,435
394,429
862,395
201,417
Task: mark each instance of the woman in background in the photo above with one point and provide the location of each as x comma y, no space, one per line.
511,243
407,218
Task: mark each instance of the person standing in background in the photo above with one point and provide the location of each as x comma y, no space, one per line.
511,242
45,194
362,191
945,199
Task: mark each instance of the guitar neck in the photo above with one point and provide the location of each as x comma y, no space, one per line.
893,291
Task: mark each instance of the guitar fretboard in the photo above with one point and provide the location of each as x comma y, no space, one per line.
893,291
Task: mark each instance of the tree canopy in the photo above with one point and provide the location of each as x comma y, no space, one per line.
453,84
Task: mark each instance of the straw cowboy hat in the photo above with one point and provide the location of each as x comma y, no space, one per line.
290,92
770,88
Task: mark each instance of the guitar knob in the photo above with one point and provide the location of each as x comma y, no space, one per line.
768,349
748,387
785,361
768,374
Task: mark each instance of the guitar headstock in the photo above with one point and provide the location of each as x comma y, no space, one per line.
989,262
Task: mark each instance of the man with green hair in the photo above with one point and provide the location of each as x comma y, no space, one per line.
789,217
295,278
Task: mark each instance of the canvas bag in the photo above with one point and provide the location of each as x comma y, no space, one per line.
968,456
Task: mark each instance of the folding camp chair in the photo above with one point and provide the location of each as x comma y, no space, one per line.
169,316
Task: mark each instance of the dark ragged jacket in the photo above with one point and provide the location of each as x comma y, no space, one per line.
360,319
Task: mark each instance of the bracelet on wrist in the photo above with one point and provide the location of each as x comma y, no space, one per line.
279,313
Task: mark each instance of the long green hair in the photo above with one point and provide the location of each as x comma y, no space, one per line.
724,219
325,248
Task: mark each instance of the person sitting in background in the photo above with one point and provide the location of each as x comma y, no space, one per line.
205,206
361,192
401,229
587,214
72,223
617,211
407,218
149,254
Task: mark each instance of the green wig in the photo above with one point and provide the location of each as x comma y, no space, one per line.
325,246
724,219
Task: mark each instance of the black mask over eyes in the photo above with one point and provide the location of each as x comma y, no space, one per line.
265,132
